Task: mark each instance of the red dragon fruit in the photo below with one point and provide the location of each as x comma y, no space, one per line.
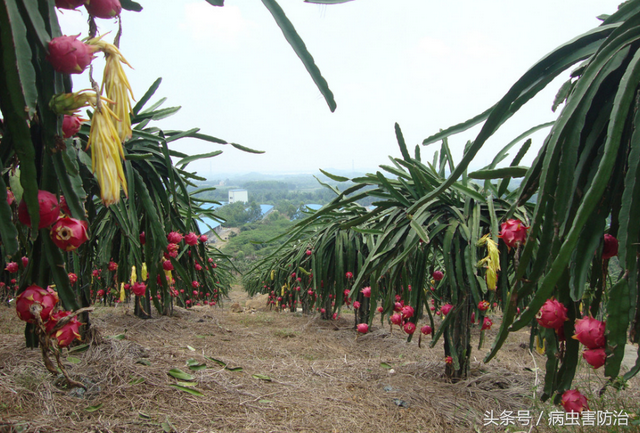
407,312
191,238
54,318
68,55
103,8
552,315
68,333
513,233
574,401
446,308
174,238
426,330
363,328
396,319
49,210
69,233
437,275
590,332
483,305
486,324
409,328
610,248
12,267
69,4
366,292
35,295
139,288
595,357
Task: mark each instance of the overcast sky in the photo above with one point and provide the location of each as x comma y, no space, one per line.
424,64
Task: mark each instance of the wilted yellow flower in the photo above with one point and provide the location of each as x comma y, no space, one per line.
491,262
122,293
106,155
116,86
134,275
144,271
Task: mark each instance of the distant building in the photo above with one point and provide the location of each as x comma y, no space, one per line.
265,209
240,195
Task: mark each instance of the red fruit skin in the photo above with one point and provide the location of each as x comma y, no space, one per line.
103,8
552,315
574,401
349,275
167,265
483,305
366,292
191,239
595,357
70,126
143,238
407,312
72,278
610,248
139,289
174,238
437,275
12,267
486,324
448,360
203,238
68,55
69,233
426,330
513,233
396,319
363,328
409,328
68,333
590,332
54,318
35,295
49,210
69,4
446,308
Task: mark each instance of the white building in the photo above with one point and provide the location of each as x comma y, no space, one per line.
238,195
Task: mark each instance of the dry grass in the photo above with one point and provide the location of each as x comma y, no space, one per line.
323,379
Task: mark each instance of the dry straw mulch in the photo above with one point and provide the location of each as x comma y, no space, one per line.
312,376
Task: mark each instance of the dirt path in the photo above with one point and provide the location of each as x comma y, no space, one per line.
261,372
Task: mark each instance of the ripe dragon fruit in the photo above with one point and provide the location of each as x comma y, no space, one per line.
590,332
595,357
426,330
191,239
409,328
54,318
448,360
483,305
174,237
552,315
139,289
407,312
437,275
513,233
103,8
486,324
49,210
574,401
68,55
349,275
68,333
12,267
35,295
446,308
366,292
69,233
396,319
363,328
610,248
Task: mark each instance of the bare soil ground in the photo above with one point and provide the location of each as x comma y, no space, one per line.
284,373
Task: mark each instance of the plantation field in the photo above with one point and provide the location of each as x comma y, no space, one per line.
256,370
